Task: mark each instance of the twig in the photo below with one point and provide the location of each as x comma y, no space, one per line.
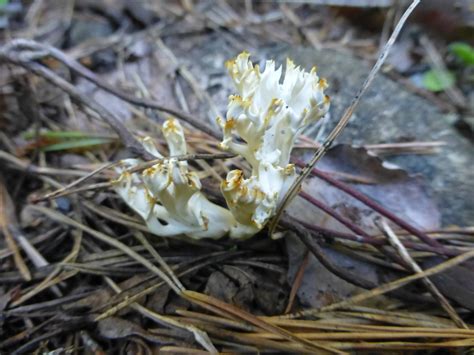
76,182
6,216
234,311
34,255
197,156
69,326
376,207
54,276
330,211
375,241
444,106
53,279
51,304
436,60
292,192
303,234
297,282
387,25
35,240
27,166
142,239
347,223
17,258
405,147
413,147
67,190
55,194
131,298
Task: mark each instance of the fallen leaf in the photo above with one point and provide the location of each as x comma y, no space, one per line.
248,289
320,287
403,194
232,285
391,187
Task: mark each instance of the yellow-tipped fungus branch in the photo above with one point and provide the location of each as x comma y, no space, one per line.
262,123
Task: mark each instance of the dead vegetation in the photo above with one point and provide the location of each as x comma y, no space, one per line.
80,273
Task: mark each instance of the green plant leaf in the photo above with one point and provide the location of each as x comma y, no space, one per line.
60,134
438,80
76,143
3,3
463,51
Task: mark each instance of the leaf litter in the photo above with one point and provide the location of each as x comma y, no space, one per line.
106,285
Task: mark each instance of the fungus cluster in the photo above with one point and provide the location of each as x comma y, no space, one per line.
262,123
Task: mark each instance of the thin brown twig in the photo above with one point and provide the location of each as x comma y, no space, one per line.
375,240
454,94
376,207
57,192
200,336
297,282
130,298
6,216
347,223
304,235
197,156
67,190
91,187
444,106
38,260
234,311
397,148
27,166
144,241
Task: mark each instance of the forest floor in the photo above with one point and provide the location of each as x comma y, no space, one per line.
375,254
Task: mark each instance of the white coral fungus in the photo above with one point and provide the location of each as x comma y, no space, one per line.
262,123
167,195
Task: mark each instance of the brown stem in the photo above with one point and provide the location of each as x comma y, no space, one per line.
332,212
356,229
374,240
375,206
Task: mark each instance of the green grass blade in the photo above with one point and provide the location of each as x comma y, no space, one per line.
77,143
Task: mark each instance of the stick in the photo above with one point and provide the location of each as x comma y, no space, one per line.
375,206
